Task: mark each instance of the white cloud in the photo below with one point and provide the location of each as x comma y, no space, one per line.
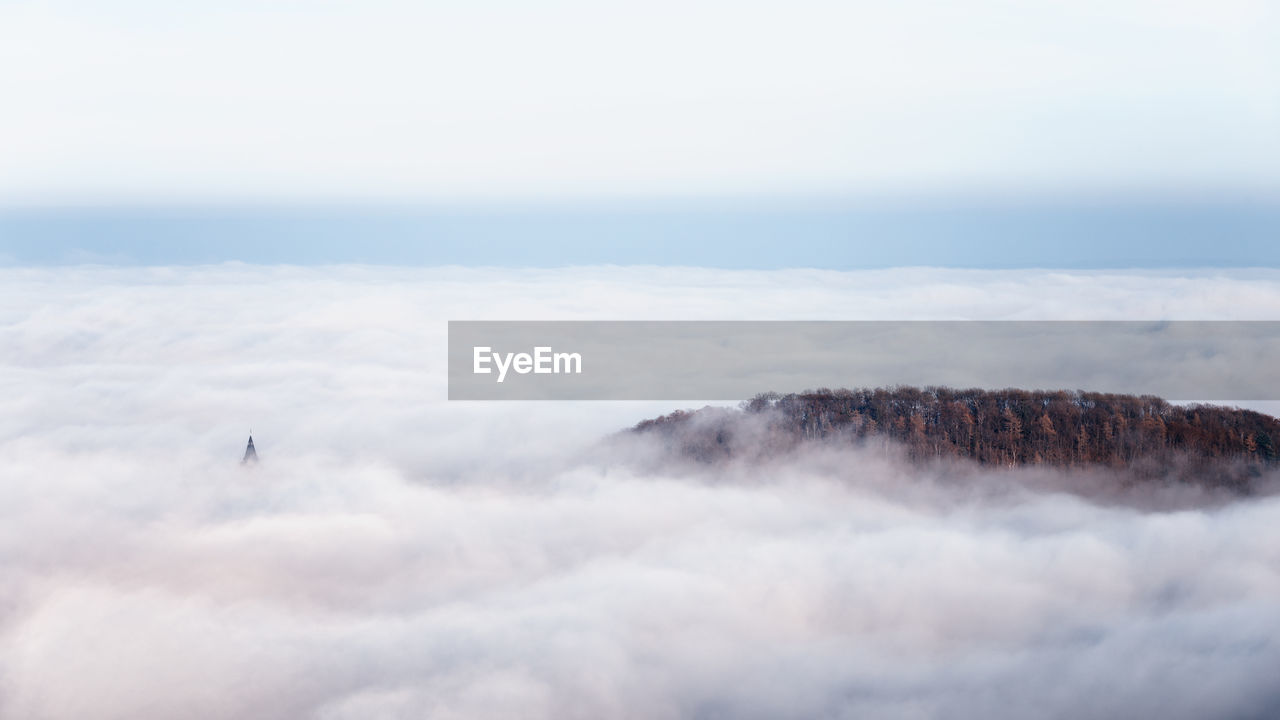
398,556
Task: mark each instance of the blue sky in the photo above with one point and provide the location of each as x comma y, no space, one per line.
703,234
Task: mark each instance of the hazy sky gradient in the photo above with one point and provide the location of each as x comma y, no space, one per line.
143,101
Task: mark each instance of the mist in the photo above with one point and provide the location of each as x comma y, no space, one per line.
395,555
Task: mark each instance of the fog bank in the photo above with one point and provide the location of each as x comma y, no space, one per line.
398,556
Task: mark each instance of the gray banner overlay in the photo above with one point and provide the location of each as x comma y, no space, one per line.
695,360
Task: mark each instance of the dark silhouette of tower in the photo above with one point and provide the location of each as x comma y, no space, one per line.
250,455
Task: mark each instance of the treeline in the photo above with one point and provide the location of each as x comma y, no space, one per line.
1001,427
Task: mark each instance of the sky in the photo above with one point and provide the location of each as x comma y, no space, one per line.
146,102
395,555
725,234
743,135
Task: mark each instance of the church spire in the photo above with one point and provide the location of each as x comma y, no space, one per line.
250,455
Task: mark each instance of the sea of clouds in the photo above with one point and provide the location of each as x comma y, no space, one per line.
395,555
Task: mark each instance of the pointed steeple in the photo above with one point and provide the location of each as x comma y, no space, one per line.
250,455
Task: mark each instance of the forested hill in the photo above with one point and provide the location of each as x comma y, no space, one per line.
1148,435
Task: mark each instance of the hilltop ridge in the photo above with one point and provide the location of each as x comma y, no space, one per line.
1145,436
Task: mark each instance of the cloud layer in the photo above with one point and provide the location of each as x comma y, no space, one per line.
395,555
